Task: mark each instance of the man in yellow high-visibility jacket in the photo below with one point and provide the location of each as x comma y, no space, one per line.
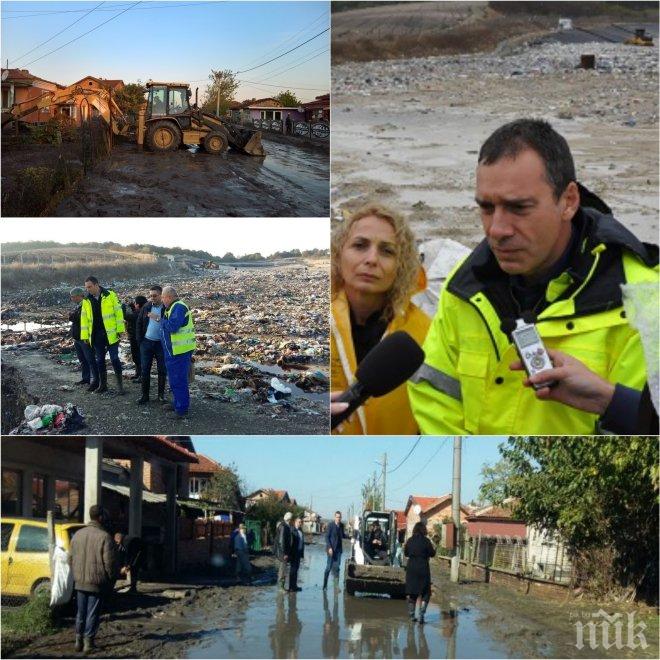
553,255
177,334
101,323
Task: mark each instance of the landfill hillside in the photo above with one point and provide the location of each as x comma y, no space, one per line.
406,132
261,364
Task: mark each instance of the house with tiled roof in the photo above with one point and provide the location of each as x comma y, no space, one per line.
497,521
19,86
200,474
430,510
265,493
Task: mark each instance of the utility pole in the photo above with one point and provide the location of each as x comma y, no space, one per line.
384,480
217,103
456,509
384,467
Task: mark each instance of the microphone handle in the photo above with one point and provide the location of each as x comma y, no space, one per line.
355,396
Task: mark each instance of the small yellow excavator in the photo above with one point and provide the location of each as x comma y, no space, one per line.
165,122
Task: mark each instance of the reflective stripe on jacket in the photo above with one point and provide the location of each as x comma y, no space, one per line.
389,414
112,313
177,326
465,385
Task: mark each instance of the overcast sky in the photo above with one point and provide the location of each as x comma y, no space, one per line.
215,235
329,471
173,40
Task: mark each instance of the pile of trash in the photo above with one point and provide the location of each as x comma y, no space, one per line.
50,419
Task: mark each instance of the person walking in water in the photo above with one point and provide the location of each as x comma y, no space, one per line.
418,550
334,537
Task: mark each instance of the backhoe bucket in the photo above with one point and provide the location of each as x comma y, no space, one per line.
253,146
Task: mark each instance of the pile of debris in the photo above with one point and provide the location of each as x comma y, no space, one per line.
50,419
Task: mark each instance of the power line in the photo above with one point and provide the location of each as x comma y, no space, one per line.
283,54
278,73
55,35
49,12
423,468
407,456
274,49
82,35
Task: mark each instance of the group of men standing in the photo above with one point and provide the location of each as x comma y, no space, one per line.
290,550
160,328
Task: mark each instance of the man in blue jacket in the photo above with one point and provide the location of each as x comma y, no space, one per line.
334,537
178,339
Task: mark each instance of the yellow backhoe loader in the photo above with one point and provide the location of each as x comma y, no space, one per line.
165,122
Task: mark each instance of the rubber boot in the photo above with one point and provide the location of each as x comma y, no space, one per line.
93,386
325,581
88,645
103,383
422,611
145,391
161,387
120,383
79,643
411,610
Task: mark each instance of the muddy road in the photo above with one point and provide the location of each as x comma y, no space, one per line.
253,325
163,620
407,132
292,180
468,620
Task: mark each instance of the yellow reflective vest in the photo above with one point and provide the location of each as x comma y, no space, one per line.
389,414
465,385
183,340
112,313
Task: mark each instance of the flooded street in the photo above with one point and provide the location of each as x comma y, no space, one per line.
328,624
291,180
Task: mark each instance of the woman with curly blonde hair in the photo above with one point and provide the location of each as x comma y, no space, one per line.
375,271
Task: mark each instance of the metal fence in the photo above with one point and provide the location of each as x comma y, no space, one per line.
549,560
318,130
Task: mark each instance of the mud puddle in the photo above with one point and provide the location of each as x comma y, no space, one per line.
326,624
290,181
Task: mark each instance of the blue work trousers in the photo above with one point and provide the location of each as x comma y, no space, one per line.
177,374
100,348
87,362
89,613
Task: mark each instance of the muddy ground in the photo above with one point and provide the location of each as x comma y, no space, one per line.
465,620
252,324
407,132
291,180
161,621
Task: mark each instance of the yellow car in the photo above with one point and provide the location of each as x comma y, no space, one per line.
25,566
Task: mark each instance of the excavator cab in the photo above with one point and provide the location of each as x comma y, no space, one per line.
165,100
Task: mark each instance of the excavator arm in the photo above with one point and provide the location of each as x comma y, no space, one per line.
96,96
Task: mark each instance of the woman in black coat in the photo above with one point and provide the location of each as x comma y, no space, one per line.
419,550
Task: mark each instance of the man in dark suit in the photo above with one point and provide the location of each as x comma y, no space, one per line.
297,553
334,536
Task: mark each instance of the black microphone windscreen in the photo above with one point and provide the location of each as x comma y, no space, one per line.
389,363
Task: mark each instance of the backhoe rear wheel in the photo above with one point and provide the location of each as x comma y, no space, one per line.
163,136
215,142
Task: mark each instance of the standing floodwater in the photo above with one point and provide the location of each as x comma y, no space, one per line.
329,624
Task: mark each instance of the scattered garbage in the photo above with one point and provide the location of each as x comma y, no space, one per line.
49,419
278,391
